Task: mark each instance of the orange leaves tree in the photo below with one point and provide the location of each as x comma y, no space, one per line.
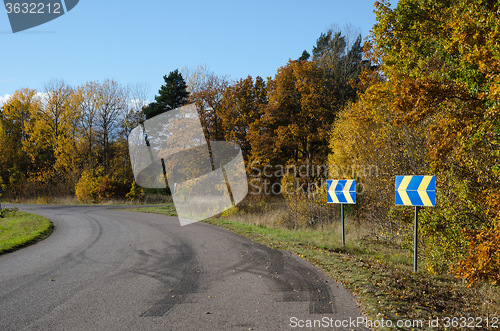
241,105
294,125
442,61
206,91
483,261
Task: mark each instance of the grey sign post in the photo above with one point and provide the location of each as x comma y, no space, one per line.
341,191
418,191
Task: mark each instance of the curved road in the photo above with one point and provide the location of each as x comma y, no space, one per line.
106,269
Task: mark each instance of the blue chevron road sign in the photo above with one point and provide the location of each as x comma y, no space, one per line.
416,191
341,191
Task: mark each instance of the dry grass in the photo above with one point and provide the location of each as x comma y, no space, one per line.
270,219
150,199
489,297
272,213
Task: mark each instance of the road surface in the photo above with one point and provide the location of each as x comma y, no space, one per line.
106,269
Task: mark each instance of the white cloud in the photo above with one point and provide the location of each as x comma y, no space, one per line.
4,98
39,95
137,103
42,96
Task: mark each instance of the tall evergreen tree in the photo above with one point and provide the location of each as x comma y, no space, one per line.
341,59
305,56
172,94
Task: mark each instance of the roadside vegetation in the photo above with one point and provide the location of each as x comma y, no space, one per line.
168,209
149,199
379,272
419,96
19,229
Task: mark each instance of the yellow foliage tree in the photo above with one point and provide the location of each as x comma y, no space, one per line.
441,61
16,116
53,132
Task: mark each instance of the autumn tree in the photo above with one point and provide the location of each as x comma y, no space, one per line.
240,107
112,106
89,104
207,91
52,122
15,117
369,143
52,135
293,128
132,117
138,101
441,63
50,140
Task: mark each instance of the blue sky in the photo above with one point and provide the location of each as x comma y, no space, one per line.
135,41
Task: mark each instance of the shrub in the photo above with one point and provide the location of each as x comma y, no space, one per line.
87,187
135,193
483,260
306,202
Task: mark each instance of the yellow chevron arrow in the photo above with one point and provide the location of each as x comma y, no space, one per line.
345,191
422,191
402,190
332,191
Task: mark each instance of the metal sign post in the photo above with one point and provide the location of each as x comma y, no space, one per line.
415,191
343,228
415,244
341,191
1,191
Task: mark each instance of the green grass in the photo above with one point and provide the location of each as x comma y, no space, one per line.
379,273
19,229
167,209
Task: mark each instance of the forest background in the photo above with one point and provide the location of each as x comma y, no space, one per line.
419,96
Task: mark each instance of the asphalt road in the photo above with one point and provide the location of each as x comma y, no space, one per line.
106,269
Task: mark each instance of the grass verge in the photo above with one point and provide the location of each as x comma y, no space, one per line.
19,229
168,209
381,275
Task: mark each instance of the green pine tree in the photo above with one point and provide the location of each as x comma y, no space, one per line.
172,94
342,60
305,56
